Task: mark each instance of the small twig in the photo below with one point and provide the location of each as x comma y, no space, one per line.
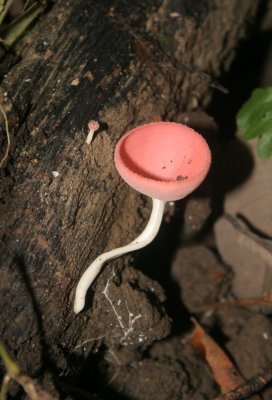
265,300
8,136
30,386
253,385
4,387
27,4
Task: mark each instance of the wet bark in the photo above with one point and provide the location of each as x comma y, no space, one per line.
62,202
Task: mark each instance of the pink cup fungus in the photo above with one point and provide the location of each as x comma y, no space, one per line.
165,161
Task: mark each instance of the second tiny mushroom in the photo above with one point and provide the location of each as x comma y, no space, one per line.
92,126
165,161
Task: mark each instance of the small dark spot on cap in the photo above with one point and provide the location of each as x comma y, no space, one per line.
181,178
163,167
234,373
189,162
171,161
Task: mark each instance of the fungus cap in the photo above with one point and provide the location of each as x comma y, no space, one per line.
163,160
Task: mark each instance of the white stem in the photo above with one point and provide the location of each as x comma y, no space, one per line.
143,240
90,136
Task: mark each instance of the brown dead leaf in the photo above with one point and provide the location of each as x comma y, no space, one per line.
224,372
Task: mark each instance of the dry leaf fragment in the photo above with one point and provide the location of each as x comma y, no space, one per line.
224,372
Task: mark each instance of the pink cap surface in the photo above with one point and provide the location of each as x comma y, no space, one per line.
163,160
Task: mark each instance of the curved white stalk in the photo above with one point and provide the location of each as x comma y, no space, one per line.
143,240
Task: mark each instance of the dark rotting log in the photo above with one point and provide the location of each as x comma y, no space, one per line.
62,202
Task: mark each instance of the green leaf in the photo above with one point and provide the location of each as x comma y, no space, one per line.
259,122
264,146
4,8
255,120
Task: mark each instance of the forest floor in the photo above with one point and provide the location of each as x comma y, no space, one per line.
211,273
217,279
